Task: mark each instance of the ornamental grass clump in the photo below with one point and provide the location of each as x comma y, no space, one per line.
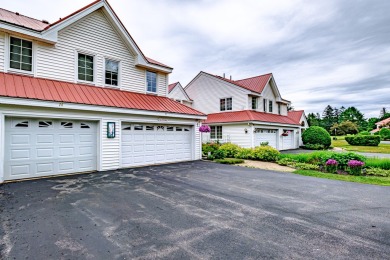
331,165
355,167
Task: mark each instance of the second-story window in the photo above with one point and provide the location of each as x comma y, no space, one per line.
265,105
151,81
85,67
20,54
270,106
112,72
254,102
226,104
279,109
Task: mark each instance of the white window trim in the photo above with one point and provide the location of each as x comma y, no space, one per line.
265,108
225,104
146,82
216,132
7,56
270,104
76,71
257,103
119,72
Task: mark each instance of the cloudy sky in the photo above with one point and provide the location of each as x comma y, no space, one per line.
333,52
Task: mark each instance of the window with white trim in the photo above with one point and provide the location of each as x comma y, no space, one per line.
112,72
226,104
279,109
151,81
254,102
270,106
85,67
265,105
20,56
216,132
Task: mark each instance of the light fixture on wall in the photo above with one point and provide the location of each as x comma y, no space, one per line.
246,130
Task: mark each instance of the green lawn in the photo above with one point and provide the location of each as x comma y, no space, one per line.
340,142
383,181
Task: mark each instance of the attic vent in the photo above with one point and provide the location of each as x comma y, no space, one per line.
45,21
17,13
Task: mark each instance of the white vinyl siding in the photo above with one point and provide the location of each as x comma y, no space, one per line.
270,96
177,94
234,134
93,35
206,91
2,49
111,146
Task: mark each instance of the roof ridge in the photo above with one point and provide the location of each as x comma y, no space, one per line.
22,15
255,76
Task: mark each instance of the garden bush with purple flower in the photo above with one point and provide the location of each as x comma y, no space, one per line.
331,165
355,167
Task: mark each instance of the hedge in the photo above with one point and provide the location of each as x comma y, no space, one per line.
363,140
316,136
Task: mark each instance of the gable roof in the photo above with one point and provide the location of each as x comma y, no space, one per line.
172,86
296,115
255,84
19,86
43,28
248,115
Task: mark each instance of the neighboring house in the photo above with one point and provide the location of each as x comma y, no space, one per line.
78,95
246,112
177,93
384,123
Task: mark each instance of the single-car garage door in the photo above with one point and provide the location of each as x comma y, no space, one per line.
266,136
288,140
44,147
146,144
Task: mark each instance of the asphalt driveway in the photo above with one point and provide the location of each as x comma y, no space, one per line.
196,210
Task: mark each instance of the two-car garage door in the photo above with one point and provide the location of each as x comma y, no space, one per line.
44,147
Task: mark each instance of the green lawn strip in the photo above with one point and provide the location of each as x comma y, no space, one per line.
382,148
383,181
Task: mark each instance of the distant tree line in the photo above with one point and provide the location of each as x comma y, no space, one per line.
341,121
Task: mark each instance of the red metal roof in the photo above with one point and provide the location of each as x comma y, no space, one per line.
22,20
38,25
383,122
255,84
171,86
296,115
248,115
18,86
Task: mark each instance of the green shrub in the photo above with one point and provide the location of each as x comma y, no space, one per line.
229,149
315,147
385,133
229,161
364,133
286,162
306,166
265,153
210,147
378,172
244,153
316,135
381,163
363,140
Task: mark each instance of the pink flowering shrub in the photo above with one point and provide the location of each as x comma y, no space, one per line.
355,167
331,165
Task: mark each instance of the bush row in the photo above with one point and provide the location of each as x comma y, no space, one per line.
363,140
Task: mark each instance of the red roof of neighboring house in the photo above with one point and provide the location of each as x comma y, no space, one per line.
248,115
295,116
38,25
171,86
375,130
22,20
383,122
18,86
255,84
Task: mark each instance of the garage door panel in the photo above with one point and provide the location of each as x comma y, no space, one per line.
45,153
20,139
20,154
47,139
44,147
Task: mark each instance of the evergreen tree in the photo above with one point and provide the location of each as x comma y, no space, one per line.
328,118
354,115
314,119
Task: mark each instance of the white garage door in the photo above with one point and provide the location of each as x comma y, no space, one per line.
43,147
266,135
288,141
153,144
